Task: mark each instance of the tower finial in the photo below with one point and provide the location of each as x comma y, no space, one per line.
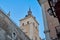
29,9
29,12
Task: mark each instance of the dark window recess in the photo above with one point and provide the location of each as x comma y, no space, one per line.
58,35
36,27
34,24
14,34
23,24
28,22
58,31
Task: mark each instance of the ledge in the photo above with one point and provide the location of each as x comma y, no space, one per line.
46,31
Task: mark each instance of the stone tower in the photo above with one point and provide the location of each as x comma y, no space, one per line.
29,26
49,21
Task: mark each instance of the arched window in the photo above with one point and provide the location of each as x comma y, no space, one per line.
36,27
14,35
27,22
23,24
33,23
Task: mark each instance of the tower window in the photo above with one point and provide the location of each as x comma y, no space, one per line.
36,27
23,24
33,23
14,35
28,22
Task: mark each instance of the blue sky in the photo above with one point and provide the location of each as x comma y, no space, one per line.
18,9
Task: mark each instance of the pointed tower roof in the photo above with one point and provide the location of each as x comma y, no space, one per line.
29,12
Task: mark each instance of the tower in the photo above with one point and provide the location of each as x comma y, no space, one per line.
50,22
29,26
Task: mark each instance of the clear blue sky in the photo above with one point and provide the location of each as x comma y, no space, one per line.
19,8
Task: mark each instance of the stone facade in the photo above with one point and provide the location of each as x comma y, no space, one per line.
9,30
49,21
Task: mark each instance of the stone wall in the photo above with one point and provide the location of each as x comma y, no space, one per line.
9,30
